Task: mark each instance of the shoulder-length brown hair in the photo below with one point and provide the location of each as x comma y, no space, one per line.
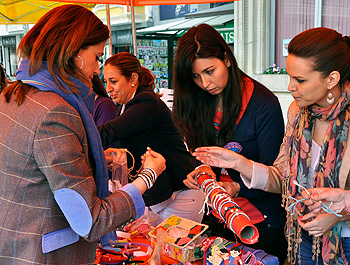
57,38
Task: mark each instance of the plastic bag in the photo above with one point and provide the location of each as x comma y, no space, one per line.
119,172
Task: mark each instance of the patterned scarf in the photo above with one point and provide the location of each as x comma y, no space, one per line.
297,163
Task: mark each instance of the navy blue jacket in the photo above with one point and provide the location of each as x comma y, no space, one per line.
260,132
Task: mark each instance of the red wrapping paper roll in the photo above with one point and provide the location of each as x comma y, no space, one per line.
227,210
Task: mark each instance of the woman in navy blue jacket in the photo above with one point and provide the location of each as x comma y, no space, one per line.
216,104
144,121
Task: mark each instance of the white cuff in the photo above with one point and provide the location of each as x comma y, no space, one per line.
259,178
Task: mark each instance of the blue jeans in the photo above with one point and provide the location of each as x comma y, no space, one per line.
306,253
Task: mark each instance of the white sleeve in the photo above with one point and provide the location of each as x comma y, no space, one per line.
259,177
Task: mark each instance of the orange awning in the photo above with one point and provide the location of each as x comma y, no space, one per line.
28,11
148,2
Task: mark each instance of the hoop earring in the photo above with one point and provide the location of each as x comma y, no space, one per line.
330,98
82,62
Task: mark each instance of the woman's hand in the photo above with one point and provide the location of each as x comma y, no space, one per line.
191,182
337,199
153,160
232,188
110,153
224,158
216,156
318,224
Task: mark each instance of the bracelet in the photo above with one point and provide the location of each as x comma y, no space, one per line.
152,172
203,173
149,176
147,180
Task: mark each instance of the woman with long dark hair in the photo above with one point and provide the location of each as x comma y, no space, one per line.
215,103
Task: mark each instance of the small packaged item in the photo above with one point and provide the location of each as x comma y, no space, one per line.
219,251
183,238
120,174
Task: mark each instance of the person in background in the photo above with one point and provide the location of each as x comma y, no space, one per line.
105,109
314,154
100,65
144,120
54,200
215,103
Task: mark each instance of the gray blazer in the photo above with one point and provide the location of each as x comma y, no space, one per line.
44,148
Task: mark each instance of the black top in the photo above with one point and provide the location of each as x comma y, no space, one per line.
146,121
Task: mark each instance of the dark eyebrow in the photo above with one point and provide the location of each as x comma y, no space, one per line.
206,69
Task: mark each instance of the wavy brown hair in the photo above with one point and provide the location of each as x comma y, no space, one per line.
57,38
194,108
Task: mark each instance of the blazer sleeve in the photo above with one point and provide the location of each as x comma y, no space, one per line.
61,152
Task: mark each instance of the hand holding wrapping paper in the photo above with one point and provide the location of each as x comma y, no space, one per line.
227,210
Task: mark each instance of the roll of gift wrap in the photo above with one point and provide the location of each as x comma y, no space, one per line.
227,210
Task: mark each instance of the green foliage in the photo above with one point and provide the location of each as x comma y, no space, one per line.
273,69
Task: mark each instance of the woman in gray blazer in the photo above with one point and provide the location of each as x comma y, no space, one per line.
54,198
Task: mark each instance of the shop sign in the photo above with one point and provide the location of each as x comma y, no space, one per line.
173,11
228,36
8,41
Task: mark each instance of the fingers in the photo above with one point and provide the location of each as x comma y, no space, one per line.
148,153
151,152
319,194
190,185
153,160
316,208
190,181
203,154
191,176
110,151
209,149
230,187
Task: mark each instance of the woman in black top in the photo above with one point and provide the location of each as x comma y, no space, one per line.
144,120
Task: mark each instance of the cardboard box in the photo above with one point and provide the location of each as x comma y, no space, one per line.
182,234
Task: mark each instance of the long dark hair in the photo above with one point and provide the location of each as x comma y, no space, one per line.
194,108
57,38
98,87
328,49
127,63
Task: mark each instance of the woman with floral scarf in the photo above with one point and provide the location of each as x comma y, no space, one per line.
314,152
